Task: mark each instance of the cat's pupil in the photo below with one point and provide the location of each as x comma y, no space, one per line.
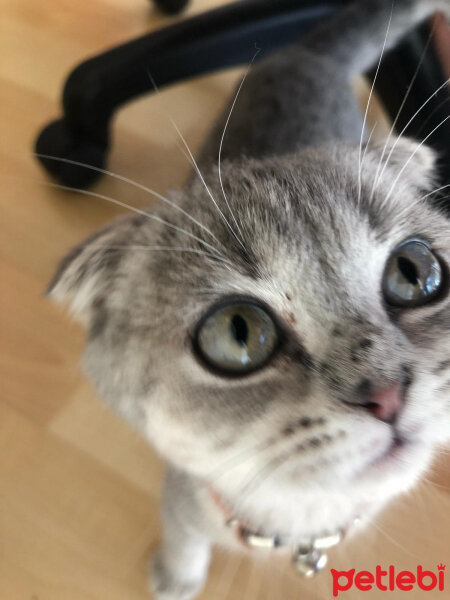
239,330
408,269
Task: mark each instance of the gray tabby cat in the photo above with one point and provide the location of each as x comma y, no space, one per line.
287,349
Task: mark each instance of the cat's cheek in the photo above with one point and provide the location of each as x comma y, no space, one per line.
423,418
172,434
397,475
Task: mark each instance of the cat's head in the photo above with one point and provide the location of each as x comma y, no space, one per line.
289,341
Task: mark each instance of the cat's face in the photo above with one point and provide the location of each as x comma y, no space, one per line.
308,288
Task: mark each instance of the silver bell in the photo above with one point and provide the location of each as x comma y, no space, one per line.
259,541
308,561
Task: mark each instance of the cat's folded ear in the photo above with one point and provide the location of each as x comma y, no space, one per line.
405,161
86,274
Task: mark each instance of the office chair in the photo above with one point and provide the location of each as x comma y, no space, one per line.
215,40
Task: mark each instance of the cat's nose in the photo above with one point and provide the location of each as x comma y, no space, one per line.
384,403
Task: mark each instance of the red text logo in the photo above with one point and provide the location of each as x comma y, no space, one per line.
389,580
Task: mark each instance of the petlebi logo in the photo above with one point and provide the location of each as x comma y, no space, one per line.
389,580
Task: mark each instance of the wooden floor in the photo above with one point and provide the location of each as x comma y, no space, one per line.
79,491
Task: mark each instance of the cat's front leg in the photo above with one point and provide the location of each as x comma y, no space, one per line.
180,565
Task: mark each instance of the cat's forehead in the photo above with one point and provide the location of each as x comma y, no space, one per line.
283,220
301,271
297,236
323,204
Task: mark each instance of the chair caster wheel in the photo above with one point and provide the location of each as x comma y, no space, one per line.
58,141
171,7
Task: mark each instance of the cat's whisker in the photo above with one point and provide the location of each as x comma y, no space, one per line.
261,476
415,115
195,165
255,450
430,483
431,115
258,50
423,479
434,192
372,131
266,471
197,170
163,248
279,462
391,539
366,114
412,156
133,209
405,98
132,182
423,493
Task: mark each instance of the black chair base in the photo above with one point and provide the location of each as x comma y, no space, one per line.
216,40
57,140
171,7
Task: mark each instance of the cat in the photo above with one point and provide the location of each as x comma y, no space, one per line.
281,333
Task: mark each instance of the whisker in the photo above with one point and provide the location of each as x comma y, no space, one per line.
372,131
391,539
435,192
131,182
431,115
412,156
258,50
133,209
262,475
369,101
418,111
408,91
239,458
195,165
163,248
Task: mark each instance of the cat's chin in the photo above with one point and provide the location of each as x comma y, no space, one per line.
315,512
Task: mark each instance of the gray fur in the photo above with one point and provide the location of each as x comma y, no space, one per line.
288,447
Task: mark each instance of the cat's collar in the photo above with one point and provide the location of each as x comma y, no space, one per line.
308,555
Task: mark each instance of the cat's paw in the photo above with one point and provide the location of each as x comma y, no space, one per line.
168,585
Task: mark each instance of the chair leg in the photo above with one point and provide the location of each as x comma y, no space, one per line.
171,7
215,40
59,150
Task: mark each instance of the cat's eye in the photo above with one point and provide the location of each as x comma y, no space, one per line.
413,275
236,338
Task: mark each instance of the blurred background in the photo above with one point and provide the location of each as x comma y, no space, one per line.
79,490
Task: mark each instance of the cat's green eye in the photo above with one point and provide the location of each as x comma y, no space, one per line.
413,275
236,338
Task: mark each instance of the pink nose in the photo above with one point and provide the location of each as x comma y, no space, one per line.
385,403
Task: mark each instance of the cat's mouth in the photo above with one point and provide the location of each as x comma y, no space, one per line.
394,454
402,443
305,550
402,455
